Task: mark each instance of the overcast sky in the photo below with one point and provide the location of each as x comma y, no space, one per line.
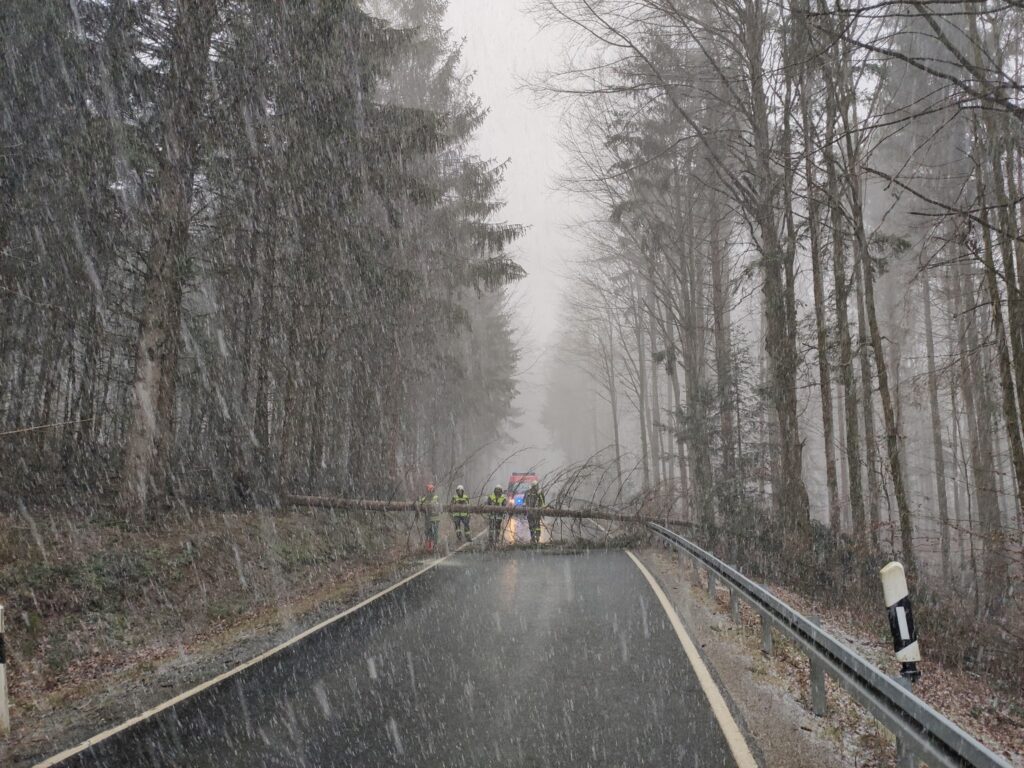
503,46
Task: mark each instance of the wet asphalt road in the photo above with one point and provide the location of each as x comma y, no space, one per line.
491,659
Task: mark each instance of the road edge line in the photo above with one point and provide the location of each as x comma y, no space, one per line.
175,700
730,729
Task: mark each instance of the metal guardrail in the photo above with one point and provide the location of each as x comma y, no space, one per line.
922,734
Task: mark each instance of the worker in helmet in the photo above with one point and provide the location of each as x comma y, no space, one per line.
460,513
534,501
430,506
497,500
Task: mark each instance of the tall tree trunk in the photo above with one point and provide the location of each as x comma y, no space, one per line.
677,411
613,398
607,346
691,331
842,291
893,438
956,439
655,418
150,437
290,406
997,144
723,345
937,449
723,359
641,374
1011,416
668,362
868,406
995,568
841,458
792,505
691,342
821,325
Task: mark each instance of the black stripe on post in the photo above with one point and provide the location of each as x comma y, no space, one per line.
901,624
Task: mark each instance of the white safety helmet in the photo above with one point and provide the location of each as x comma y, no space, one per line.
459,489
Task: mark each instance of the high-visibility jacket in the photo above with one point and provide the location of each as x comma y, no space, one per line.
497,501
432,504
460,501
534,499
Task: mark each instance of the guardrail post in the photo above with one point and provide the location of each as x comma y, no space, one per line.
711,584
766,635
734,606
819,694
695,573
904,757
5,715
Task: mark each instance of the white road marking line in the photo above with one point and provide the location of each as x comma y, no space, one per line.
91,742
733,736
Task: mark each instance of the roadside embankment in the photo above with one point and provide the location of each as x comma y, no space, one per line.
106,619
772,693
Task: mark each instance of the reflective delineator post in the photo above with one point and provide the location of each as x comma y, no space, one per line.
5,715
901,620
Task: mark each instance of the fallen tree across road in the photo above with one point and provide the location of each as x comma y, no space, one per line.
370,505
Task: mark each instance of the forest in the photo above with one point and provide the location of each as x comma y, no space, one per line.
249,249
800,317
245,248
